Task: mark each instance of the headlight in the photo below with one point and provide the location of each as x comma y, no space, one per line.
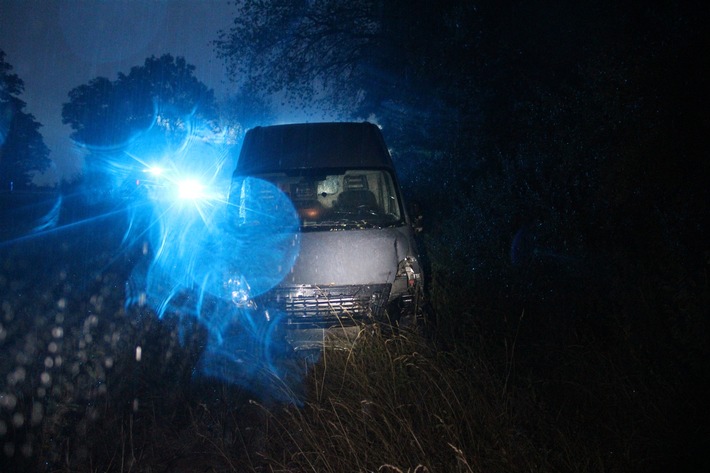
190,189
409,268
239,290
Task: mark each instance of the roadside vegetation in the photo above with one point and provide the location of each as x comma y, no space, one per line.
503,381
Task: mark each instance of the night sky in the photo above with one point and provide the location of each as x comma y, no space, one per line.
55,46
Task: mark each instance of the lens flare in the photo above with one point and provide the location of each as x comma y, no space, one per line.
205,252
190,189
208,255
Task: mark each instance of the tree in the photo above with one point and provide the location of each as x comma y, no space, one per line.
103,113
154,107
398,60
22,148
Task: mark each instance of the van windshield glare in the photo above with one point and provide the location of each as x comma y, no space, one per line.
332,199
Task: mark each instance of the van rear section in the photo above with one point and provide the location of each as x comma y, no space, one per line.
357,261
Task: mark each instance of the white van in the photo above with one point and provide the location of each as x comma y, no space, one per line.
358,262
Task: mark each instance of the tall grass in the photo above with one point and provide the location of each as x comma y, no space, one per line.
495,389
389,404
398,405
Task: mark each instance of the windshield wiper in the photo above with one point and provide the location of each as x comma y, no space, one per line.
340,224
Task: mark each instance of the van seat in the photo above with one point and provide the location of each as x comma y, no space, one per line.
357,199
353,182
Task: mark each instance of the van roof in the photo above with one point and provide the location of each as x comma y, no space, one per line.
313,145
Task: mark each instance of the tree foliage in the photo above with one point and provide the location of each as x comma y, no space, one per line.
158,106
22,148
299,38
550,131
398,60
108,113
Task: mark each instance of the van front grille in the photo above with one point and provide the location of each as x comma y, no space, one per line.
309,306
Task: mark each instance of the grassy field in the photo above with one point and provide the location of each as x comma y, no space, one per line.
388,404
602,380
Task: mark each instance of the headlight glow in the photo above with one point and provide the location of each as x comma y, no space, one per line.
206,257
190,189
154,170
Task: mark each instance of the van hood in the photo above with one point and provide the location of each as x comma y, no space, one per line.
350,257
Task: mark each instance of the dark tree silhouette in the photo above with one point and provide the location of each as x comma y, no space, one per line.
399,60
22,148
159,102
106,113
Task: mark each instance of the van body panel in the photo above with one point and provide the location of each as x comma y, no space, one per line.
349,257
313,145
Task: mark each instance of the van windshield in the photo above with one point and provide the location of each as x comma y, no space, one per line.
332,199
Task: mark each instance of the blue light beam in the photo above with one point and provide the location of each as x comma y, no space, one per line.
209,256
